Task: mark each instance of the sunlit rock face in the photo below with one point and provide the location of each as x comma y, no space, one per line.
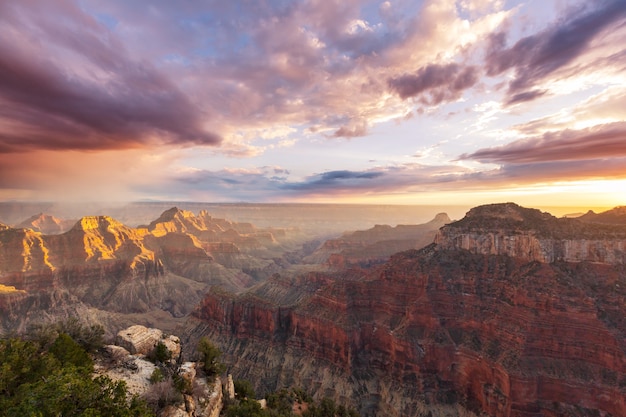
96,239
23,250
111,270
511,331
212,230
92,240
508,229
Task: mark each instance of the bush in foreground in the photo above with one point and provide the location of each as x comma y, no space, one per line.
56,381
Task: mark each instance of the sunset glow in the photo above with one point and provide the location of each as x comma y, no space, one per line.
377,102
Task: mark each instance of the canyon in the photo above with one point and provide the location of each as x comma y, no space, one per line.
527,328
508,312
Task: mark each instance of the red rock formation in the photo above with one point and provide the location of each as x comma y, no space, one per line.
508,229
507,336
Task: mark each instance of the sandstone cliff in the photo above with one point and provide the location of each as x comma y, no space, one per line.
212,230
118,273
508,229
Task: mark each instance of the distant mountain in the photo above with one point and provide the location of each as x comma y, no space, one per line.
616,216
373,246
46,224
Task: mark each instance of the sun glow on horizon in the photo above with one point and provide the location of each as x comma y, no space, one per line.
596,195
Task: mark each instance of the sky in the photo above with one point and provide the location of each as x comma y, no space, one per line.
344,101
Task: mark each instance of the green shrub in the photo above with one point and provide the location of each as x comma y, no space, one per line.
209,355
156,376
160,353
68,352
35,381
244,389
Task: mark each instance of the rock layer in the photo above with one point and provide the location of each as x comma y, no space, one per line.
508,229
105,267
501,332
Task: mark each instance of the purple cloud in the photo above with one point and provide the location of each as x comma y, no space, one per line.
442,82
603,141
537,56
99,98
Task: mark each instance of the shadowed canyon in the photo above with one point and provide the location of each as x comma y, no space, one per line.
507,312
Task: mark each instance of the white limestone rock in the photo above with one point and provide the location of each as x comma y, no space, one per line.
139,340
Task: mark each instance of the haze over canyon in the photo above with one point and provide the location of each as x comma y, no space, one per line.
507,311
412,208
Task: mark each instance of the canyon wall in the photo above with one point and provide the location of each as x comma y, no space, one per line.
528,234
497,335
527,245
117,274
510,313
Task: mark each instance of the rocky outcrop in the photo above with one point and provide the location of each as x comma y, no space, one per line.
511,230
127,361
141,340
138,339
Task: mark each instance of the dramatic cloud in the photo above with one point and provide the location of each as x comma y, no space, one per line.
441,82
253,101
264,184
604,141
106,101
526,96
114,75
537,56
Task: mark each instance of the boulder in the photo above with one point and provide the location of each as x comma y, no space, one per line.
139,339
172,411
172,343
